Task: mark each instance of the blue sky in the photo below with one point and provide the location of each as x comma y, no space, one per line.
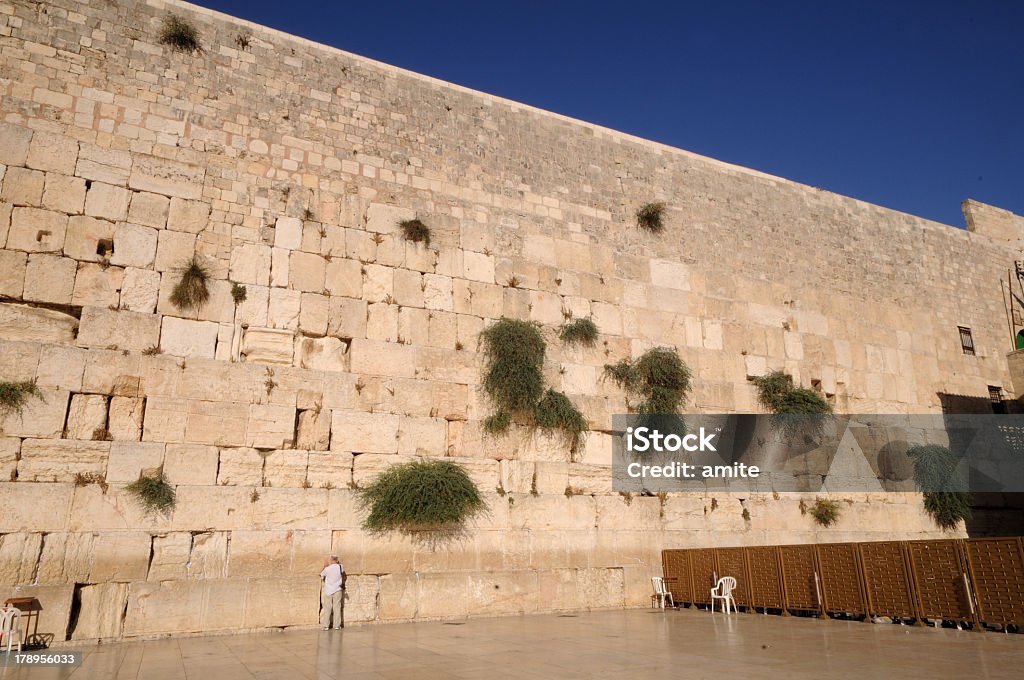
911,105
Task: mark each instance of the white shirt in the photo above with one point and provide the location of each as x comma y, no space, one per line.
332,578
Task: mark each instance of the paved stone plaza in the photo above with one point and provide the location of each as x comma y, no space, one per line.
610,644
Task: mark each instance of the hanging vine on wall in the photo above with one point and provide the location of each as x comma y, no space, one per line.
937,475
513,379
660,380
579,331
427,499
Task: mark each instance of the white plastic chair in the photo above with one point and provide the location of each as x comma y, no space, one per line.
723,591
660,593
10,626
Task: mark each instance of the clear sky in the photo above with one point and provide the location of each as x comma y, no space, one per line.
914,105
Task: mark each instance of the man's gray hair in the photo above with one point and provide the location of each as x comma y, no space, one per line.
334,558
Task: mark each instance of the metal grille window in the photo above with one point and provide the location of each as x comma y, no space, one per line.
966,340
995,394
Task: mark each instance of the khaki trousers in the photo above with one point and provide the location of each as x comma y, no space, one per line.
332,604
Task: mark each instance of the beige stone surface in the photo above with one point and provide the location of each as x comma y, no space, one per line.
99,616
192,464
268,346
189,216
64,193
97,285
164,176
140,289
59,460
22,186
186,338
106,201
36,324
125,417
134,245
148,209
112,329
87,416
50,278
42,416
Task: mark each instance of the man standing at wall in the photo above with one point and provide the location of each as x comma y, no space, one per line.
332,598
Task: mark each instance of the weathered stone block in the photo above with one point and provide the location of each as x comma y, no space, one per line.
174,250
148,209
171,554
87,417
250,263
329,469
187,338
188,216
382,358
22,186
14,144
140,290
314,430
64,194
422,436
288,233
103,165
346,318
52,153
313,314
164,176
12,273
364,432
124,422
106,201
130,460
59,460
306,272
285,468
192,464
284,309
100,609
41,417
50,278
270,426
343,277
120,556
35,324
134,245
216,422
290,509
384,219
107,328
322,354
97,285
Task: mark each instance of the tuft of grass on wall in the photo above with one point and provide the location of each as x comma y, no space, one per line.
238,293
795,410
579,331
191,291
937,475
415,231
513,366
14,396
153,493
650,217
179,34
825,512
557,413
425,496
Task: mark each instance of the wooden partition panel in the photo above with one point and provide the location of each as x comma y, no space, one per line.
676,564
799,577
765,577
841,578
733,562
997,575
703,574
941,580
887,579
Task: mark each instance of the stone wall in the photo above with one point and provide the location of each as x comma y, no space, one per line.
285,167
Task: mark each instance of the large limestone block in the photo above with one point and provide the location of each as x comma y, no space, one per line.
503,593
106,201
364,432
314,430
49,278
188,216
120,556
261,554
184,606
130,460
282,602
385,219
208,508
87,417
268,346
553,512
290,509
42,416
97,285
288,233
134,245
165,420
322,354
306,272
271,426
187,338
124,422
422,436
60,460
250,263
34,507
219,308
209,556
35,324
12,273
286,468
19,553
14,144
103,165
442,596
240,467
54,609
344,277
361,595
329,469
10,449
140,290
22,186
399,597
148,209
115,329
284,308
174,249
100,611
97,508
66,558
37,230
171,554
64,194
382,358
216,422
346,318
192,464
52,153
164,176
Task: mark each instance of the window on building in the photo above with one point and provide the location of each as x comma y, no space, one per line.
995,395
966,340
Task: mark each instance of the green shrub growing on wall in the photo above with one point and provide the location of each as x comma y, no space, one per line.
936,473
153,492
15,395
421,497
650,217
415,231
796,410
825,512
179,34
659,378
556,412
579,331
513,369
